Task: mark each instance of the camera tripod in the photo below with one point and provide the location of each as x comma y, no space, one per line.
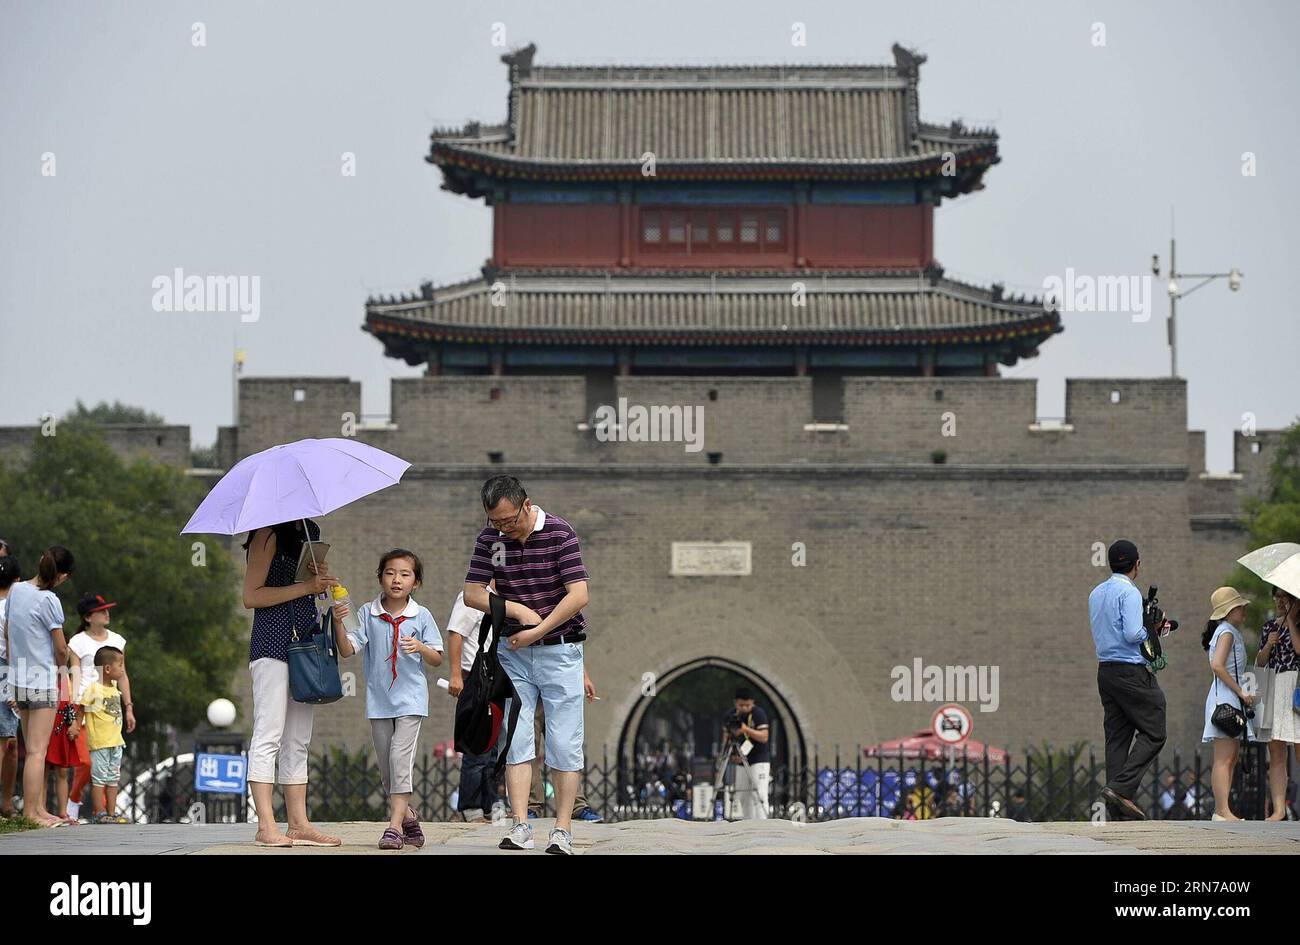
720,772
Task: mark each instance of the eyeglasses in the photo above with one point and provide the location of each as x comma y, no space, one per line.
506,526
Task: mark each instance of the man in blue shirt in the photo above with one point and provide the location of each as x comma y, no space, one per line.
1133,702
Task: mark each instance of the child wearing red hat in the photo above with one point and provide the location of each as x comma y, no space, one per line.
94,634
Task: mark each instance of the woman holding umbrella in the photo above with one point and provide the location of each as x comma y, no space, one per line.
1277,652
1279,565
281,727
273,495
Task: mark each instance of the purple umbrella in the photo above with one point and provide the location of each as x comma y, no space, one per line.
294,481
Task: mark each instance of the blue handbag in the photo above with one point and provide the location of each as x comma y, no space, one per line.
314,664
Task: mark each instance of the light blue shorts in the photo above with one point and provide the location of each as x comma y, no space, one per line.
555,674
106,766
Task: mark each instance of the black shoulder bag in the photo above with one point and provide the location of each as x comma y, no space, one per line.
1227,718
480,707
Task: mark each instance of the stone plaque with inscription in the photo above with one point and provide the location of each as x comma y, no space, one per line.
711,559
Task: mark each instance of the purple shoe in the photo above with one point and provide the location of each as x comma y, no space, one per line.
391,840
411,831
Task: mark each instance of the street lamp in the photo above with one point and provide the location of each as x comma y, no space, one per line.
1176,292
221,713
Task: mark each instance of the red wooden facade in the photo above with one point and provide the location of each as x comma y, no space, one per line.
724,237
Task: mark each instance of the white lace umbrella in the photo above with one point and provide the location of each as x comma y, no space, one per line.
1277,564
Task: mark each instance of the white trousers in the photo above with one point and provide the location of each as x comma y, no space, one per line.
277,752
751,789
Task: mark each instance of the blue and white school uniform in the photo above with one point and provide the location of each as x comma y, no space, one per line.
1219,693
397,690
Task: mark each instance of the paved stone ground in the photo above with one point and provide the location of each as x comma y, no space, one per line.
860,835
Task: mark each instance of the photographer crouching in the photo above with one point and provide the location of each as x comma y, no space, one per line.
745,730
1126,631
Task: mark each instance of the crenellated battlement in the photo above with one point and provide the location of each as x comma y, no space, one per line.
164,443
891,477
484,419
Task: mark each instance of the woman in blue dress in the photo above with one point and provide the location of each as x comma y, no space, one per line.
1224,642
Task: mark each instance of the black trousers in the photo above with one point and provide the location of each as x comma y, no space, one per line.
478,786
1135,706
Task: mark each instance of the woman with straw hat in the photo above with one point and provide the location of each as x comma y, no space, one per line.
1277,652
1224,642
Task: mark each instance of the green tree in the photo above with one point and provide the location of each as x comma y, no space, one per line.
1273,517
104,412
177,604
204,457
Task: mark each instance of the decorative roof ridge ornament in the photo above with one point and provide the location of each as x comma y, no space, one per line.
908,62
955,132
520,62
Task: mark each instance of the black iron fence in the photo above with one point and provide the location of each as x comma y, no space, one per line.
1046,785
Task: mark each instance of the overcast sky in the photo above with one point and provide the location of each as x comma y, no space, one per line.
225,158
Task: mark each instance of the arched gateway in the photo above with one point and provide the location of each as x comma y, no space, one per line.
686,706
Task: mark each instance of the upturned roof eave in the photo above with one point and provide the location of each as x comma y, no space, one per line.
1025,333
977,155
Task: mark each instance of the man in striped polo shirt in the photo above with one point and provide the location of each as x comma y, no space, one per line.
535,560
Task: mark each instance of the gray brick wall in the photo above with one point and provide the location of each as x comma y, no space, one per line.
972,420
747,420
168,444
460,419
951,566
1253,456
987,559
227,446
987,420
1147,424
271,413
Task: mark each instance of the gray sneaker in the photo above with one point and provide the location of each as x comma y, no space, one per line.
561,842
520,837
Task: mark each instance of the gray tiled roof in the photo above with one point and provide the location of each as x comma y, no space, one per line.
783,115
597,308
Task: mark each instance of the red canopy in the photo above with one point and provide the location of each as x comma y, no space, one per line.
925,745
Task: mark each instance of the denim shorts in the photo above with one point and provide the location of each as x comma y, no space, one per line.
555,674
8,718
37,698
106,766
